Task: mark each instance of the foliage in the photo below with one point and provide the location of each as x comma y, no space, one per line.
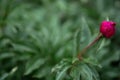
36,35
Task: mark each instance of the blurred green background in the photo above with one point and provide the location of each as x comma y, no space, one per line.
35,35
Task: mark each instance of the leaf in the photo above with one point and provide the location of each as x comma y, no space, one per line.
85,34
75,73
61,68
42,72
33,65
22,48
94,73
88,73
4,76
85,73
100,47
92,61
6,55
62,73
77,42
100,44
61,65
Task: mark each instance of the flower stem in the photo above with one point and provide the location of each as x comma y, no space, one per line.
87,47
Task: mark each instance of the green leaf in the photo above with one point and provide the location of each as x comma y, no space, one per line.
82,71
33,65
77,42
6,55
88,73
42,72
4,76
61,65
75,73
94,73
85,34
23,48
92,61
100,47
85,74
60,75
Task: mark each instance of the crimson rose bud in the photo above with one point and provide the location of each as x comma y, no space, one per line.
107,28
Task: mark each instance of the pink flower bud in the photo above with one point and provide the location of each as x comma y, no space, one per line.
107,28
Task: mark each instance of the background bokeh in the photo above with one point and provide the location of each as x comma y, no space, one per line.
35,35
